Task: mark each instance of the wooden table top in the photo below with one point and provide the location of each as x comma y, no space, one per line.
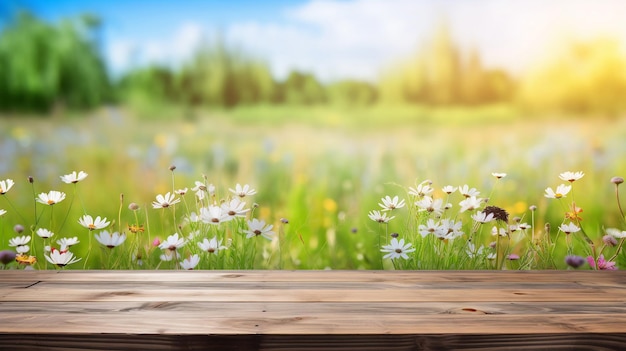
303,304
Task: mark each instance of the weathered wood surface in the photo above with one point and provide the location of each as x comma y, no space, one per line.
312,310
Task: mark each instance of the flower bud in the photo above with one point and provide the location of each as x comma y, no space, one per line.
617,180
156,242
133,206
284,220
574,261
31,179
7,256
172,168
394,235
609,240
533,208
18,228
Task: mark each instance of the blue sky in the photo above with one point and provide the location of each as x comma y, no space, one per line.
336,38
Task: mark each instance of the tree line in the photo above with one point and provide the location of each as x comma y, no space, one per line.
44,66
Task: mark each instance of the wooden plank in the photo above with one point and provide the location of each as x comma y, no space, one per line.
124,342
374,307
398,277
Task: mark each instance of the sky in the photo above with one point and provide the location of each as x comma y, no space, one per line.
336,39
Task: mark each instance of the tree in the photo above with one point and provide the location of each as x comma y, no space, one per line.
46,65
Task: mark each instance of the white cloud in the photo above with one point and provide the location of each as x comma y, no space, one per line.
359,38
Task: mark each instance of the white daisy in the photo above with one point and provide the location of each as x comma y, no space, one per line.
451,229
172,243
19,241
470,203
214,215
389,204
2,212
73,177
110,240
165,201
397,249
243,191
483,217
422,189
181,191
569,228
61,258
448,189
88,222
234,208
190,263
256,228
6,185
499,175
212,246
428,204
51,198
379,217
561,191
44,233
431,227
466,191
498,231
66,243
571,176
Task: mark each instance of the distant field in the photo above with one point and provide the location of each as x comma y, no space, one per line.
321,169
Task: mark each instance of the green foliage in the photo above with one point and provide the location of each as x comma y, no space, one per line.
46,66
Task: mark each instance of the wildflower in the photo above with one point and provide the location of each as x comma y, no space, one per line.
573,214
499,175
181,192
166,256
512,257
61,258
498,213
432,227
379,217
609,240
172,243
110,240
560,192
44,233
243,191
571,176
448,189
190,263
450,229
422,189
470,203
19,241
390,204
25,259
212,246
569,228
165,201
617,180
136,228
73,177
51,198
6,185
498,231
256,228
156,242
7,256
603,264
524,226
234,208
214,215
397,249
483,217
428,204
616,233
467,192
66,243
574,261
2,212
88,222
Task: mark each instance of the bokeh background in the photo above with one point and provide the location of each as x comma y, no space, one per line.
322,106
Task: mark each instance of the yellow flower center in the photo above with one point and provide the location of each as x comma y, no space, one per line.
51,202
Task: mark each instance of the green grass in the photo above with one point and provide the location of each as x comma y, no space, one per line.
321,168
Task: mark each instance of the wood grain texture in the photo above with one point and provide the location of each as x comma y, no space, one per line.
312,310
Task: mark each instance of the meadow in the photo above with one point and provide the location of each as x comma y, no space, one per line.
318,173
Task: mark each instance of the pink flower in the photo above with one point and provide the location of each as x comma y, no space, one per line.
156,242
603,264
